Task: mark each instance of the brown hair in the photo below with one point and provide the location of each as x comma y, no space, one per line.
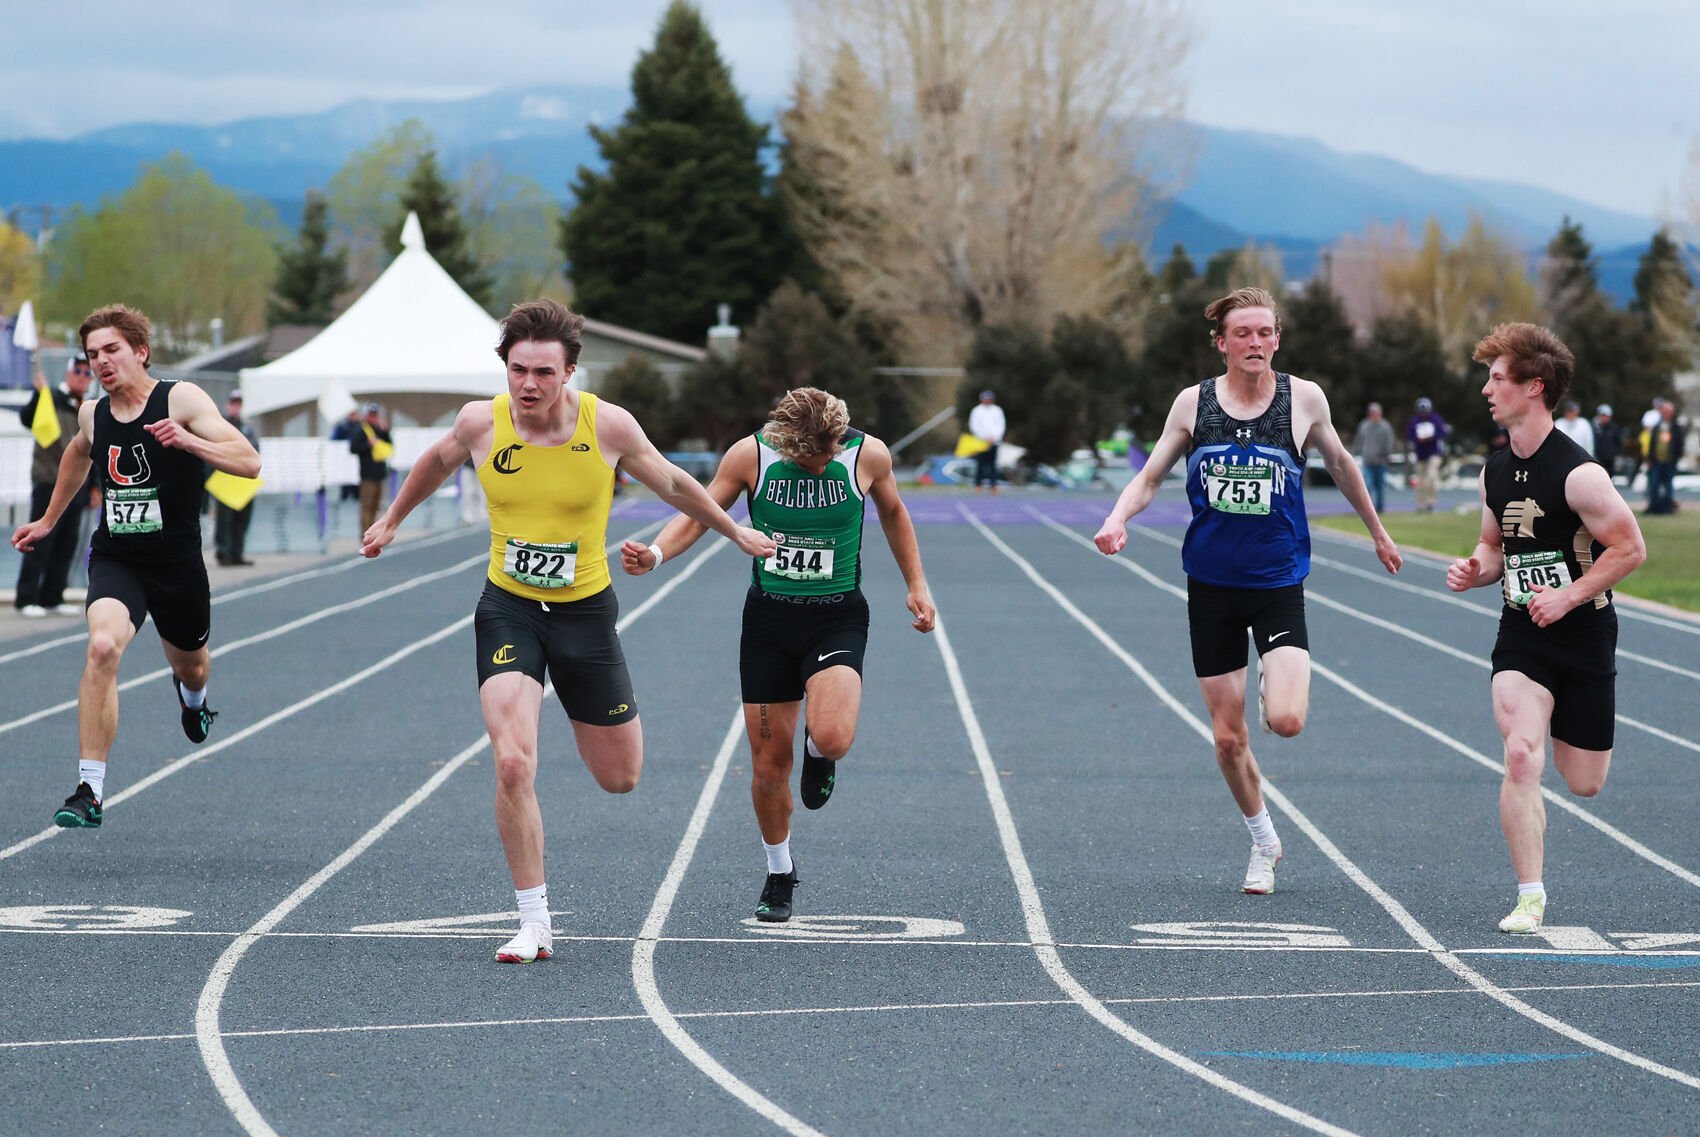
1217,310
136,329
807,423
1535,354
542,321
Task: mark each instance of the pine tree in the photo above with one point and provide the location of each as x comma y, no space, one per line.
446,237
1664,302
1317,343
683,219
309,277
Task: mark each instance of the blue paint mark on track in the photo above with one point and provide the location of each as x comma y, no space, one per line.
1645,962
1394,1059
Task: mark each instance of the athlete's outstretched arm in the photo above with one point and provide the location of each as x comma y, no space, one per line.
1589,491
737,473
1171,444
195,425
1343,469
435,466
899,530
74,467
1487,564
625,443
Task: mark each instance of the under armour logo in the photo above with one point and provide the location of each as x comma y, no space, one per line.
1243,435
1518,520
1520,475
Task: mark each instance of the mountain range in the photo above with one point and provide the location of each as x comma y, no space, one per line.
1293,194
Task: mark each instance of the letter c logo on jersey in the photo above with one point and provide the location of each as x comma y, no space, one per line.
119,477
504,459
504,655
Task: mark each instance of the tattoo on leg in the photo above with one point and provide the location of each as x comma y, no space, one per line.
766,729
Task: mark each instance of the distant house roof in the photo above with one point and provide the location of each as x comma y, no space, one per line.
683,352
232,356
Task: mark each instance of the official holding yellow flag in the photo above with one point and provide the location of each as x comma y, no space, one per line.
372,445
52,417
233,496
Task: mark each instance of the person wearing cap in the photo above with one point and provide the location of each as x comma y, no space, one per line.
1578,429
986,422
372,445
1608,439
230,526
46,568
1426,432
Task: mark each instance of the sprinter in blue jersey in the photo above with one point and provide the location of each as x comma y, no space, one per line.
1247,551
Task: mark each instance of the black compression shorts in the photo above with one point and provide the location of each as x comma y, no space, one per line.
574,644
175,593
786,640
1580,672
1218,618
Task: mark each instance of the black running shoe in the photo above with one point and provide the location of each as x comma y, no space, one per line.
80,810
819,775
775,905
197,721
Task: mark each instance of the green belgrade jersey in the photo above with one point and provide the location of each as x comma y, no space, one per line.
815,521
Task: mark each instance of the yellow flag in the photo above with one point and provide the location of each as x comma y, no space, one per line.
381,451
45,423
968,446
232,489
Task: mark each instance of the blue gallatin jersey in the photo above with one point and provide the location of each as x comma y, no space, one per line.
1245,480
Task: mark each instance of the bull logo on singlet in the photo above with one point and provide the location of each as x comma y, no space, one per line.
1518,518
504,459
117,476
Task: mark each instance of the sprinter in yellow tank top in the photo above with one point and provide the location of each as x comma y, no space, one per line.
546,456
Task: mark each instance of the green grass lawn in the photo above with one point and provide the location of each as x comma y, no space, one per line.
1671,574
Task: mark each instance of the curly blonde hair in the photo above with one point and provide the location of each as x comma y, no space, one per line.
806,423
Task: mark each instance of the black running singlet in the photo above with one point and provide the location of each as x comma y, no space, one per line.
151,494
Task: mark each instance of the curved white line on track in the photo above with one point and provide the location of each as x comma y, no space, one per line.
207,1033
1357,876
1558,800
1038,927
1426,641
643,952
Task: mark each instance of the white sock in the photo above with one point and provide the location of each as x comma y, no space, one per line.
193,698
779,856
93,771
809,746
1263,830
1531,888
533,904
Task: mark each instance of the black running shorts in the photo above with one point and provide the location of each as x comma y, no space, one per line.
1580,672
787,639
574,644
175,593
1218,618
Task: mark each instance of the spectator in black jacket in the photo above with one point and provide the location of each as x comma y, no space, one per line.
46,568
372,445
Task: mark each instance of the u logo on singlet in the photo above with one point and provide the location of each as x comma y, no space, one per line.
119,477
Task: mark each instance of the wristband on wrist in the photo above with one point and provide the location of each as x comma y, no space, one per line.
655,551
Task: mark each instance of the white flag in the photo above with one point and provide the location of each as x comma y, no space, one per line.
23,332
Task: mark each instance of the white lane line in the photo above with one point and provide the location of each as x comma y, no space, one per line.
643,952
207,1033
784,1012
1389,626
242,593
1038,927
1446,596
1441,562
270,720
1357,876
284,629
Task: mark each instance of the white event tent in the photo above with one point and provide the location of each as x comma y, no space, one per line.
413,339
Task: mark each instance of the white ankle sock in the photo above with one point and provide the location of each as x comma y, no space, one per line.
93,772
779,856
1263,830
193,698
1531,887
809,746
533,904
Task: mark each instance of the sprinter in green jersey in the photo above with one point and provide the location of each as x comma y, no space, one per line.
807,475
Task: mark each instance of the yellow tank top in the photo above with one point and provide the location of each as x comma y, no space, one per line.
548,509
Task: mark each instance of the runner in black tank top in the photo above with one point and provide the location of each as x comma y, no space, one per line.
149,440
1556,537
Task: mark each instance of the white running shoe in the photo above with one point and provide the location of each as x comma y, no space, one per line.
66,610
1525,919
532,944
1260,873
32,611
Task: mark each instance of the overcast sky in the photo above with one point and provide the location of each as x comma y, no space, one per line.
1599,99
